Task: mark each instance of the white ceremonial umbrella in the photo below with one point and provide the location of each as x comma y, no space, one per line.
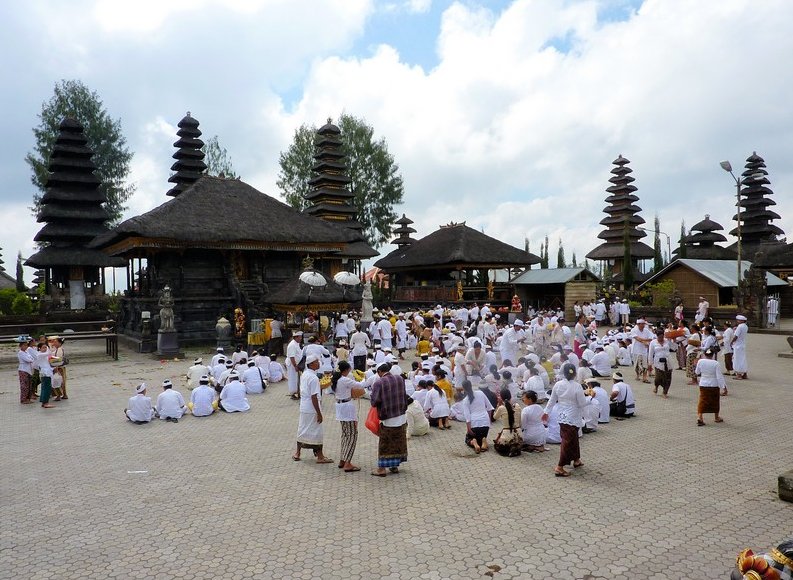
313,278
346,278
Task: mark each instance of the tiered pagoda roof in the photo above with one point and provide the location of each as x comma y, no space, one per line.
755,217
456,246
622,213
329,195
72,207
701,242
403,232
189,157
2,269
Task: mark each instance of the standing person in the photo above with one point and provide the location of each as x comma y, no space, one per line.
139,410
476,409
170,403
739,363
386,332
56,349
388,396
45,374
659,358
641,336
276,342
359,347
678,316
625,312
773,310
693,343
726,349
569,400
702,310
309,428
401,330
346,389
510,341
25,371
294,354
579,335
710,382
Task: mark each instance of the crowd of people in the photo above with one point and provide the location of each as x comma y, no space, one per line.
542,381
41,370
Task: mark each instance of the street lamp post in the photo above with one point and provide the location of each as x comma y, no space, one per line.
668,239
726,166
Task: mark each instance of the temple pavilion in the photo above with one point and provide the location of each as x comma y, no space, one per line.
622,225
222,244
452,264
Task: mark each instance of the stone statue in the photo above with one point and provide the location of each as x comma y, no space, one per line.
166,309
490,290
459,290
366,303
223,332
239,322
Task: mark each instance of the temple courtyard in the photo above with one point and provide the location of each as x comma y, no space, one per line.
86,494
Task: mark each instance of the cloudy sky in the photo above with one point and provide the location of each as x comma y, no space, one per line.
504,114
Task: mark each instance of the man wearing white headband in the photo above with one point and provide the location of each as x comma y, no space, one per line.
195,372
170,403
139,409
739,363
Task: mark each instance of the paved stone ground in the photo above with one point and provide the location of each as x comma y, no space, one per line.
86,494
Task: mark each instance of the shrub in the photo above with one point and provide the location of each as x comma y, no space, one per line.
22,304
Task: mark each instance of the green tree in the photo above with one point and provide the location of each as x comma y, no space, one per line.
627,262
544,253
374,175
575,262
217,159
682,253
20,274
560,263
112,157
658,259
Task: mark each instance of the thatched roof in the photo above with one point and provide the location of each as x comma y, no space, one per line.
218,212
6,281
73,256
456,245
609,251
294,292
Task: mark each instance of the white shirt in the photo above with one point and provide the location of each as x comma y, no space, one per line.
170,403
194,374
625,394
202,398
569,399
740,336
276,371
436,403
727,338
233,397
601,363
43,362
216,358
605,408
416,420
253,379
659,351
140,408
275,328
639,347
385,330
359,344
531,425
477,412
26,360
309,385
346,411
218,370
293,351
709,373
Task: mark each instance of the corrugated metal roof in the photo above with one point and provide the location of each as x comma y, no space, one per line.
549,276
723,273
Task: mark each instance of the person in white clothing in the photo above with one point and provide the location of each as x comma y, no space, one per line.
602,397
310,430
219,354
511,341
623,404
276,370
170,403
385,332
600,363
195,372
218,368
569,399
401,331
26,359
254,378
625,312
139,409
641,337
534,432
294,354
418,424
476,407
773,310
708,371
232,397
346,390
437,405
739,362
359,347
702,310
203,399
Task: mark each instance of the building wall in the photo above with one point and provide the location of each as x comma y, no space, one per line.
580,291
690,286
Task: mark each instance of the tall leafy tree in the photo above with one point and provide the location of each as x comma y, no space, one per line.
658,259
217,159
20,274
575,262
71,98
374,174
560,263
682,253
627,262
